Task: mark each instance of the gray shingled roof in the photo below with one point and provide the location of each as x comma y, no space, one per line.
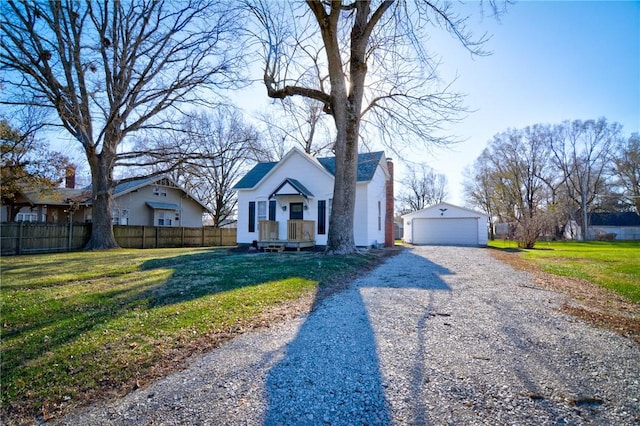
614,219
126,186
367,163
254,175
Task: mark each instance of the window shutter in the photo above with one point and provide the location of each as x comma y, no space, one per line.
272,210
322,217
252,216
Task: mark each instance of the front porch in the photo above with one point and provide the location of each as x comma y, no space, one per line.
300,234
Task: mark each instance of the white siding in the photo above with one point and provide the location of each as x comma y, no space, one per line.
368,195
319,182
361,216
243,234
138,213
296,166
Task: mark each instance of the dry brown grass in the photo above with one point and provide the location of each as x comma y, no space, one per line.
588,301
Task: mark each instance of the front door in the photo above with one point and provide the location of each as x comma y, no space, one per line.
296,211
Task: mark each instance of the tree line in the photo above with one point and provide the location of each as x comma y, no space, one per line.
115,75
540,178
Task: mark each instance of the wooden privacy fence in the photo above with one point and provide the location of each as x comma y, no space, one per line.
24,237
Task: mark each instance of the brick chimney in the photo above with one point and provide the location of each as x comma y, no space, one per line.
389,234
70,177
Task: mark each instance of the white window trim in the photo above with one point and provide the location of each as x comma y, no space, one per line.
261,210
27,217
166,216
159,191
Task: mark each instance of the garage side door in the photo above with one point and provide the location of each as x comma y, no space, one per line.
460,231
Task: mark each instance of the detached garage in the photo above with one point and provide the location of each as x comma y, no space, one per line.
446,224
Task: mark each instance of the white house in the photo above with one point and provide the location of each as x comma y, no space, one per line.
288,203
446,224
606,226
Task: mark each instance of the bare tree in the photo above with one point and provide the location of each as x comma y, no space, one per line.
216,147
364,61
110,69
26,162
538,177
480,189
627,169
518,167
582,150
301,122
422,187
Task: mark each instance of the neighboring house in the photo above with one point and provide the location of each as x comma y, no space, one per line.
156,201
611,226
398,228
446,224
50,205
288,203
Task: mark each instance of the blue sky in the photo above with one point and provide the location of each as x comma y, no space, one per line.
551,61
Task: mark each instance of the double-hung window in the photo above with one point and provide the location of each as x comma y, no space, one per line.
164,217
262,210
159,191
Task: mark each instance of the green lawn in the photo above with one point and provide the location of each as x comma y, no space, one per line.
614,265
76,325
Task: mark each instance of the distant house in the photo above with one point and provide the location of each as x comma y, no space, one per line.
288,203
155,201
611,226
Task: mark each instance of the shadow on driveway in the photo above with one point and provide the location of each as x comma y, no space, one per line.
331,371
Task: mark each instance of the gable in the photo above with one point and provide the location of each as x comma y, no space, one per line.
291,187
445,210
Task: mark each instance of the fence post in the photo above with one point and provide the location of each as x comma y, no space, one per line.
70,233
19,247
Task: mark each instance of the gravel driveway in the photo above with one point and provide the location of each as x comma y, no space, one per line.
434,336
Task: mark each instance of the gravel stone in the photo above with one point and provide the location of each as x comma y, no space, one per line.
435,335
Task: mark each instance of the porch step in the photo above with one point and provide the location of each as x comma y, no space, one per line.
274,247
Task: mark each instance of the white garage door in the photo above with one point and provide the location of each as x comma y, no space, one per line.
460,231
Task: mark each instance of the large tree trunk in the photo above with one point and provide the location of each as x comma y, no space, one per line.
347,112
584,208
341,239
102,237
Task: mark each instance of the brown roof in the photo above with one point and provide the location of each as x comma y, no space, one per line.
57,196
